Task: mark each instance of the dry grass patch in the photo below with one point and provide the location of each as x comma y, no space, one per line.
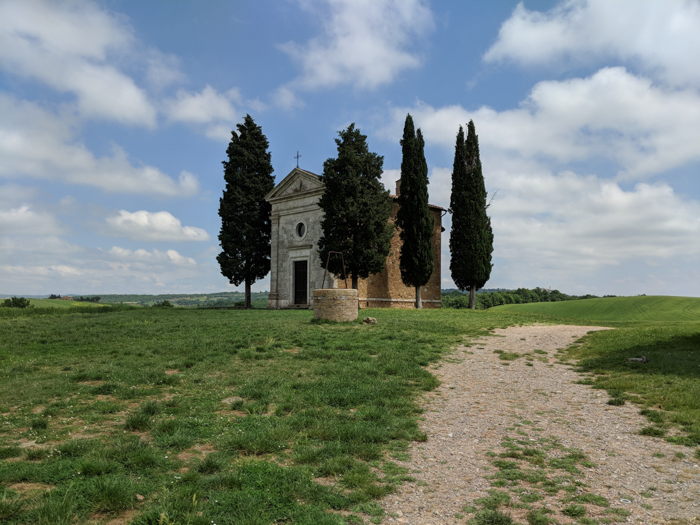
27,489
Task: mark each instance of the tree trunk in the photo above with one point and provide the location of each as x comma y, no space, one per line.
247,295
472,297
419,303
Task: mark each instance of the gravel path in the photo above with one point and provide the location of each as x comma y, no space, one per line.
481,400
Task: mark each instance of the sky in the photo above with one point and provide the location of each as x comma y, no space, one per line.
115,117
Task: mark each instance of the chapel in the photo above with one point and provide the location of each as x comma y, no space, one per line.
295,264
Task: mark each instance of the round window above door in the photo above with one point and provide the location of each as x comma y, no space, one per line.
300,230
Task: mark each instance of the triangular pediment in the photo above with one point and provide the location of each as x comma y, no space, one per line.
298,182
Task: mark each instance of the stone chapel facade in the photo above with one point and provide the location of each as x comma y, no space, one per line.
296,266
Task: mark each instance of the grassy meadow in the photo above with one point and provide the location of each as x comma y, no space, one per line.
60,303
616,310
164,416
195,416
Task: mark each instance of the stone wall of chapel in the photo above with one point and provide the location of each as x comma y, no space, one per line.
386,289
295,200
287,248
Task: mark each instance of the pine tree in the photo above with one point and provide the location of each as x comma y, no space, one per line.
471,237
413,218
245,214
356,209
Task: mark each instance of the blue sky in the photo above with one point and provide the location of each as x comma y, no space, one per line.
115,117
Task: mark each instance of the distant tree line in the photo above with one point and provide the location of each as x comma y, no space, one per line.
17,302
457,299
210,299
79,299
163,304
87,299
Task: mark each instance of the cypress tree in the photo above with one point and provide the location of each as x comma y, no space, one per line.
245,214
356,209
471,237
413,218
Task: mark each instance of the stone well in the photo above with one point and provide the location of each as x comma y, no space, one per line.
335,304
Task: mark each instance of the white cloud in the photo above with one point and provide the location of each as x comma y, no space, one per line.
156,256
257,105
285,98
220,132
569,229
68,202
40,271
35,143
65,270
581,223
14,194
66,45
25,221
440,187
565,229
662,37
389,178
365,43
51,265
612,114
68,205
215,111
35,247
162,70
158,226
202,108
96,277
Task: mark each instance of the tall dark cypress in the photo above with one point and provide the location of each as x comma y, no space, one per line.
356,209
471,237
245,214
413,218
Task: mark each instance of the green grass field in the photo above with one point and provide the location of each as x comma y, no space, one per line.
104,404
640,309
164,416
59,303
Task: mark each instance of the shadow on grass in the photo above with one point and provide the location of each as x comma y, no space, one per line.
677,356
670,381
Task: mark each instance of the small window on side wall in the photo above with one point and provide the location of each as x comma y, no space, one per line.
300,230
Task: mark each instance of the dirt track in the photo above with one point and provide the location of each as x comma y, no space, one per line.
482,399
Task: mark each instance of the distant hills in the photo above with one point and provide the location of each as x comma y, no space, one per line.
190,300
447,291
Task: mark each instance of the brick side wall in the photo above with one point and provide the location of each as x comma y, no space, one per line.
388,285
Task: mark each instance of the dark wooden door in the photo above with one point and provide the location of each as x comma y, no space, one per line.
300,279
